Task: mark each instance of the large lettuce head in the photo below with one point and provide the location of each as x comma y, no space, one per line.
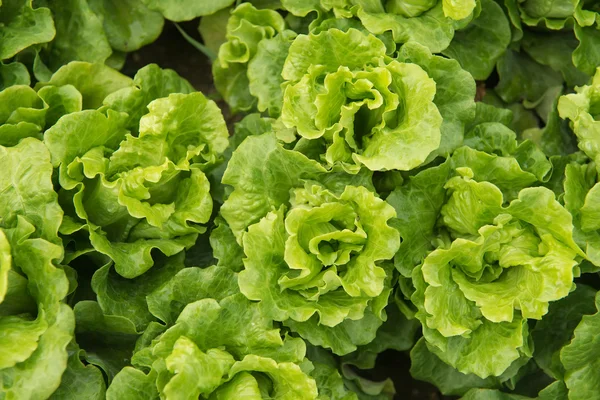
353,105
492,154
314,243
497,266
132,193
214,344
489,253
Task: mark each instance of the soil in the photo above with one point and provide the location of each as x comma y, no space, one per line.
171,50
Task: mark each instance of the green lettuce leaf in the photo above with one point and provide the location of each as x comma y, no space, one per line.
29,194
128,297
79,36
354,110
22,114
586,56
25,113
14,73
556,138
396,333
522,78
367,389
479,46
177,10
580,109
80,379
190,284
150,83
268,191
40,375
555,331
580,196
560,36
213,29
426,366
340,297
454,97
22,26
556,50
421,198
93,81
580,184
128,24
330,383
555,390
579,358
108,340
225,248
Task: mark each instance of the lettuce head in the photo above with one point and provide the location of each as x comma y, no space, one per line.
315,242
355,106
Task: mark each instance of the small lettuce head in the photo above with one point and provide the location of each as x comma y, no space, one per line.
431,23
315,243
499,266
354,105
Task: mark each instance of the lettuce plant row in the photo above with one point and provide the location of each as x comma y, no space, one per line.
402,176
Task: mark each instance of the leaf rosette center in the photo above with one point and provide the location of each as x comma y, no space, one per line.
362,106
325,237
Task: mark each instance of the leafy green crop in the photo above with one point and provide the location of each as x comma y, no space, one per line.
360,179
